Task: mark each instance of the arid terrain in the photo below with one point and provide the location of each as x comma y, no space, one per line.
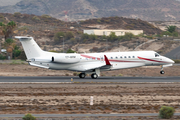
74,98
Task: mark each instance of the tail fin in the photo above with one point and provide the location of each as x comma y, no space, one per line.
30,47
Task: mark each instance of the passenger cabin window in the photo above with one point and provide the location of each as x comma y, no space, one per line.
157,55
133,56
116,57
129,56
111,57
121,57
124,56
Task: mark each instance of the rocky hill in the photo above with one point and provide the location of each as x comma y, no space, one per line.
101,23
121,23
84,9
8,2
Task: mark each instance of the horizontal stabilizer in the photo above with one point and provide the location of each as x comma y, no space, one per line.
36,65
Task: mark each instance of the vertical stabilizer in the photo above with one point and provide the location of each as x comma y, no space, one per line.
30,47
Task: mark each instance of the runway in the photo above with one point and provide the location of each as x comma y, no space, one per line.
69,79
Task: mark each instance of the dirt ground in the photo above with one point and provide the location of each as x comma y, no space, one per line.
74,98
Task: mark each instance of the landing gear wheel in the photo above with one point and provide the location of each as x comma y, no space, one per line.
162,72
82,75
94,76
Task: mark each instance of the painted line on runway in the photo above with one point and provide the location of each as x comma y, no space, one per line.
35,82
76,82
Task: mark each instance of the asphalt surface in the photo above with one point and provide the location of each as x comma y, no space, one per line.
68,79
174,54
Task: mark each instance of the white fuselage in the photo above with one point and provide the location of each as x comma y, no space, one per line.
118,60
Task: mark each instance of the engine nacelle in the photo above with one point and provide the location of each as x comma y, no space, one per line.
66,58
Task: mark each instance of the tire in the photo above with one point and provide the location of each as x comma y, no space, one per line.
82,75
94,76
162,72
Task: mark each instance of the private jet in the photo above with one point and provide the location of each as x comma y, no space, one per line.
90,63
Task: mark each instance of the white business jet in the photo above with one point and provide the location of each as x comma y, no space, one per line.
90,63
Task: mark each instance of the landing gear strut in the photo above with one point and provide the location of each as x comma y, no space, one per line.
162,71
94,76
82,75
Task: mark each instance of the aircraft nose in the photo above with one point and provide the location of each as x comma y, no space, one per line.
170,61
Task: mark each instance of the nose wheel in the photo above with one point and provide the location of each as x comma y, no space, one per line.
162,72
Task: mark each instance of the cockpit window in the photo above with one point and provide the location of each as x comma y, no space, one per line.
157,55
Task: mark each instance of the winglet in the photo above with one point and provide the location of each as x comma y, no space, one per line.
106,60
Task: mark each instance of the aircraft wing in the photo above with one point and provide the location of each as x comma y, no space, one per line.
95,65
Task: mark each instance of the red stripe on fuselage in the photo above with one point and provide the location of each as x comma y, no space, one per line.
152,60
86,56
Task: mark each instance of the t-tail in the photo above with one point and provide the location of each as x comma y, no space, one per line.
31,48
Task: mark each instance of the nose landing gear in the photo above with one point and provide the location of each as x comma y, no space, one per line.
162,71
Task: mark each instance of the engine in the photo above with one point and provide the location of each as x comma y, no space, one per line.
66,58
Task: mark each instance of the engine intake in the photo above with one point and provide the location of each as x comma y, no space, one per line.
67,58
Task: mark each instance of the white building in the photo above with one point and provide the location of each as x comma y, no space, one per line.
108,32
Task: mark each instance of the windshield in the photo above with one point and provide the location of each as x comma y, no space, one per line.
157,55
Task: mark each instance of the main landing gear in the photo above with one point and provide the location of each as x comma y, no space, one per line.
93,76
162,71
82,75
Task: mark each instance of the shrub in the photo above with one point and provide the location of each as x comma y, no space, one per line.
176,60
69,35
36,18
70,51
53,51
59,36
75,74
45,16
17,14
112,36
85,36
16,53
166,112
128,36
92,37
29,117
2,57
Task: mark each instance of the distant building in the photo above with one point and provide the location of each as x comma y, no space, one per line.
108,32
